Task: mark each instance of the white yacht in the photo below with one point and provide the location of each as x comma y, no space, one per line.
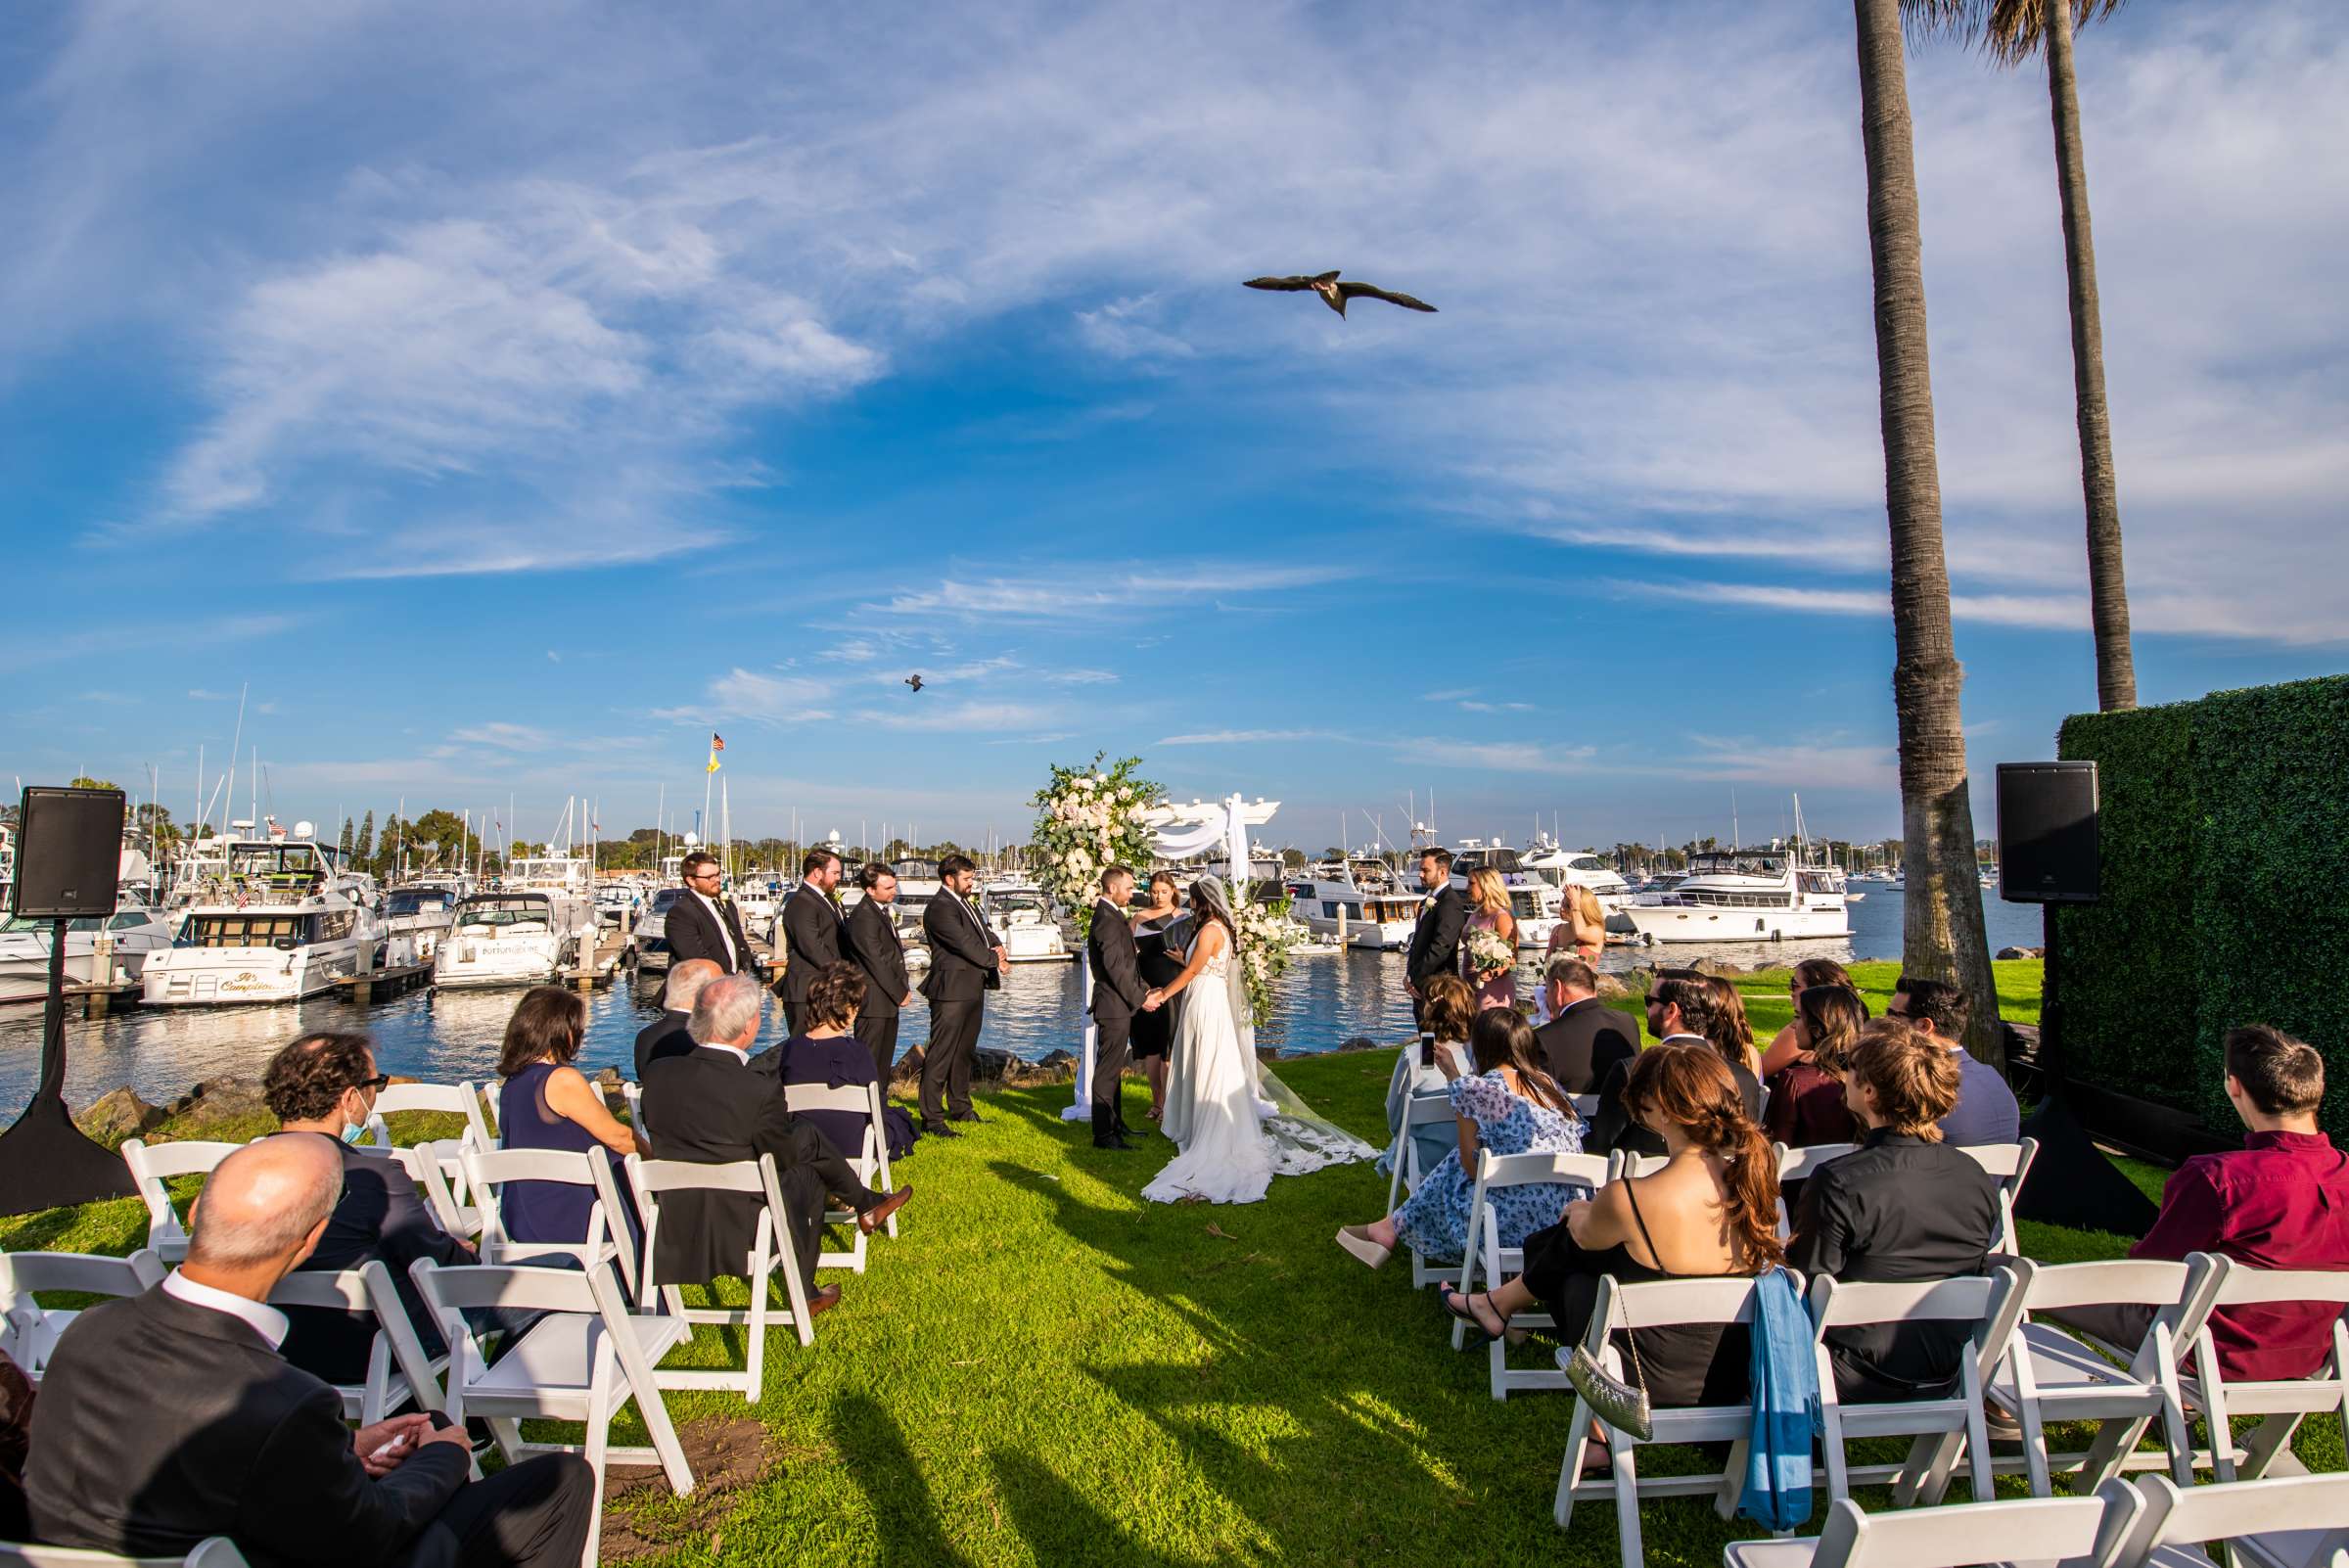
1023,917
1561,867
539,924
417,918
1533,898
652,928
271,919
136,928
1747,896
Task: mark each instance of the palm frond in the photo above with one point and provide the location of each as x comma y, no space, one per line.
2008,32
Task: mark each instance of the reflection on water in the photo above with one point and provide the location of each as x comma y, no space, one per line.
448,1035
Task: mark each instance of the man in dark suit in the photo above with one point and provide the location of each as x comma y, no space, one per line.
1117,994
812,934
1583,1037
666,1036
874,945
704,924
1436,939
966,962
709,1107
168,1417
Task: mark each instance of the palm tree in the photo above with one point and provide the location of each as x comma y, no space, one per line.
2012,31
1941,933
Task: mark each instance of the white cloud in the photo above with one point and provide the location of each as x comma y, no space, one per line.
1247,737
957,719
749,694
506,736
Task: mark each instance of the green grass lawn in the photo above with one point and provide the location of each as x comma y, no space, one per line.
1045,1369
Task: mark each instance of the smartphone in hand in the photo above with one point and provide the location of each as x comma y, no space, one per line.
1427,1047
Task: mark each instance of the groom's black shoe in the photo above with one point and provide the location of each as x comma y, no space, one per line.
939,1129
1113,1141
964,1116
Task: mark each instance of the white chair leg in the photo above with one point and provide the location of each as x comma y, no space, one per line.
1731,1490
1621,1462
2267,1440
595,1450
2105,1455
754,1369
1578,1444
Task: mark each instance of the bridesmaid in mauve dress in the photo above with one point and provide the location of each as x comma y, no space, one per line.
1490,901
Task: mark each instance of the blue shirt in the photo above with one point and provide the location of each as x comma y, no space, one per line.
1985,1111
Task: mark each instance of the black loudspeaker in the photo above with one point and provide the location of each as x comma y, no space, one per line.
2047,832
68,853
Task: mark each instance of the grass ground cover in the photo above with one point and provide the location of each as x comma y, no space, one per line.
1045,1369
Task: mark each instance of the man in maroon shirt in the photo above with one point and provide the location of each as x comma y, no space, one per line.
2282,1202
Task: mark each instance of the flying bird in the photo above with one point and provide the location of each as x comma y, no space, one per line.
915,681
1335,294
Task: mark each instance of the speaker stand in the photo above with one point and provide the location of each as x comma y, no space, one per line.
2072,1182
45,1160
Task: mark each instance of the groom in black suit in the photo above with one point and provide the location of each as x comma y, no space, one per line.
1117,994
1436,939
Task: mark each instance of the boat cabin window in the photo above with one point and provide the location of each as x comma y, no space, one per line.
1526,905
503,911
663,899
127,920
18,923
242,930
416,900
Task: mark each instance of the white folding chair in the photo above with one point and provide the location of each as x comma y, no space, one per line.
1627,1164
150,1166
2312,1511
399,1370
29,1331
2283,1402
1404,1175
1989,1306
580,1363
439,1171
2053,1374
1495,1171
213,1551
1800,1163
1586,1106
2080,1530
607,1239
448,1099
2010,1163
633,1093
870,1161
771,1253
1654,1303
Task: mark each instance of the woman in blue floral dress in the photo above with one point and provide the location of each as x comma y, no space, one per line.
1512,1106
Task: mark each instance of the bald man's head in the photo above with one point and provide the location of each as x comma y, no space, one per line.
263,1203
685,982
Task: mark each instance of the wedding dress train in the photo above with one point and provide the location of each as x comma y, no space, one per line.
1236,1126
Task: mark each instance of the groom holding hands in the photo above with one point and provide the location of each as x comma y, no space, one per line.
1118,993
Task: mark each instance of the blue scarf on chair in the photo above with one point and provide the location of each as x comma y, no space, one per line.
1785,1377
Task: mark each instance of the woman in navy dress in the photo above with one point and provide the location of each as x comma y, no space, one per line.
829,1053
548,1104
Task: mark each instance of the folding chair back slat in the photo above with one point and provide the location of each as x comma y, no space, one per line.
2080,1530
1497,1171
771,1252
870,1160
396,1348
1800,1162
215,1552
2283,1402
150,1165
2304,1507
28,1331
445,1099
487,1170
2011,1163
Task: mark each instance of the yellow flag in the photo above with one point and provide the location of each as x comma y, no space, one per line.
716,745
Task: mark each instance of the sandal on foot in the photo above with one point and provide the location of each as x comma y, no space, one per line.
1358,1240
1457,1306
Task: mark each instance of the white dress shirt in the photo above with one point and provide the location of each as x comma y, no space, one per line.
723,929
266,1319
736,1051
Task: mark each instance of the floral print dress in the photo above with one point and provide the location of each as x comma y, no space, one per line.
1435,1222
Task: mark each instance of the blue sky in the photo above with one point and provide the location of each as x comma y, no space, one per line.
513,395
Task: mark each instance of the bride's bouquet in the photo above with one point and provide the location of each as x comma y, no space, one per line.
1489,952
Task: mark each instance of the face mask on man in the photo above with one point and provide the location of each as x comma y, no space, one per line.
352,1131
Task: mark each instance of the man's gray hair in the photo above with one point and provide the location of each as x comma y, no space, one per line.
727,1009
261,1202
685,982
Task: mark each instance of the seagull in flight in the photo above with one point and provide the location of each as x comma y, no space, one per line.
1335,294
915,681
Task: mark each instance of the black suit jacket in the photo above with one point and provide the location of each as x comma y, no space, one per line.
161,1422
1436,939
380,1214
1118,989
811,939
691,933
710,1107
962,958
1612,1128
663,1037
874,944
1583,1044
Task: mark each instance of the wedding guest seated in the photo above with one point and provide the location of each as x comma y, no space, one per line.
2281,1201
324,1086
829,1053
1806,1096
1732,1034
1710,1211
1903,1208
666,1036
1584,1039
1680,1007
1446,1012
547,1103
1985,1111
1806,974
709,1107
1510,1105
171,1417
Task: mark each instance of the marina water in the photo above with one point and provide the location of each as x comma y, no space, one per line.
1325,1001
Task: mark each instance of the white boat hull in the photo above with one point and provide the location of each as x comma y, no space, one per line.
232,976
1672,923
26,980
524,960
1036,945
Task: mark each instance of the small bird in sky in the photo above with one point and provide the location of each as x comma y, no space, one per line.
915,681
1335,294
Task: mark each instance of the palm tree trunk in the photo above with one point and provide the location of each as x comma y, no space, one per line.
2108,591
1941,933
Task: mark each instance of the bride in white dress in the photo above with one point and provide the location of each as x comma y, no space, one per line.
1236,1126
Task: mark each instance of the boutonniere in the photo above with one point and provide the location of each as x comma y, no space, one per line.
1427,904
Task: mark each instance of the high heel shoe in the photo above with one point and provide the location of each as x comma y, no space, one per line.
1356,1240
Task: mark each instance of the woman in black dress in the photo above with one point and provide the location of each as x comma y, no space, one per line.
1159,964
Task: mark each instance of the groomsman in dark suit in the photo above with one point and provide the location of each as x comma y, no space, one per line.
1117,994
1584,1039
704,924
812,932
966,962
1436,939
877,950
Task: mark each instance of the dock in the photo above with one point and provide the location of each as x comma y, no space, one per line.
604,967
365,986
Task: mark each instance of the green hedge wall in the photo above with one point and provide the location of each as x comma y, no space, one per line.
2225,892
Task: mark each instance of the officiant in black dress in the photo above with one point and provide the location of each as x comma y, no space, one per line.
1161,952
